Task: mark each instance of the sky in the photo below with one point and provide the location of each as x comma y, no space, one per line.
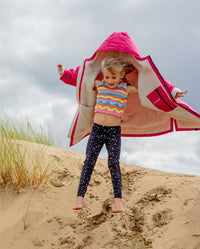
36,35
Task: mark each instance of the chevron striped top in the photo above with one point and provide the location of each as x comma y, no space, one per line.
111,100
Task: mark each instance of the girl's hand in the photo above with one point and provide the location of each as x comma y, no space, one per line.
96,83
60,69
180,94
132,89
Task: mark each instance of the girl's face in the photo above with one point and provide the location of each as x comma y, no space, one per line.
112,79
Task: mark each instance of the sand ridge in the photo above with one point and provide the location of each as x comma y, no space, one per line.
161,210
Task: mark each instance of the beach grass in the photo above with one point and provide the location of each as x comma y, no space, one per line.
21,128
21,166
137,242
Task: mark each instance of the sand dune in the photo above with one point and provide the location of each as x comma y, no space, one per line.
161,210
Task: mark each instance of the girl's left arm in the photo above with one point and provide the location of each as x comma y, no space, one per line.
175,92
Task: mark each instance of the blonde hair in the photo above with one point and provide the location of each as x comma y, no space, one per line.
114,64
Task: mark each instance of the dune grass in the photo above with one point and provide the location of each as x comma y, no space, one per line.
21,166
21,128
138,244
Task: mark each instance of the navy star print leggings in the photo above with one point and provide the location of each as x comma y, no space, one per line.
111,137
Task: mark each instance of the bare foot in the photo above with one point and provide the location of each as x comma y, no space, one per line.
79,203
118,207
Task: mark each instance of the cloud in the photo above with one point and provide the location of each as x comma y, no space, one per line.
37,35
173,152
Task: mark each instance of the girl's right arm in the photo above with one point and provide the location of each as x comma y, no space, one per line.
132,89
60,69
96,83
68,76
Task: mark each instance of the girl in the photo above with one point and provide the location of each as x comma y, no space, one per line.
111,100
155,111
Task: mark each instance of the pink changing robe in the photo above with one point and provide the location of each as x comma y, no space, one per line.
153,111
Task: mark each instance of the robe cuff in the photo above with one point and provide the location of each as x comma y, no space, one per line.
175,91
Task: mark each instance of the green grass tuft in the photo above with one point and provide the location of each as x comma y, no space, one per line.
20,128
22,164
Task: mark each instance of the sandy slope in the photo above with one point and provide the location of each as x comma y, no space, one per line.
162,210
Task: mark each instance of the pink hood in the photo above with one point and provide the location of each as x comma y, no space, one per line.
151,112
120,41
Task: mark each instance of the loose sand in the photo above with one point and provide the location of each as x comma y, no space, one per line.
161,210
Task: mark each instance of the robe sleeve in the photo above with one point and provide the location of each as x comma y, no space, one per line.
174,90
69,76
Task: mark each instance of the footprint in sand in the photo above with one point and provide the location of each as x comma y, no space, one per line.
155,195
136,220
98,219
68,240
162,218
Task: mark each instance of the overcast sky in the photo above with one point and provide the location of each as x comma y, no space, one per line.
36,35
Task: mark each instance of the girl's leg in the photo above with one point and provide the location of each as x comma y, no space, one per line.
94,146
113,145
